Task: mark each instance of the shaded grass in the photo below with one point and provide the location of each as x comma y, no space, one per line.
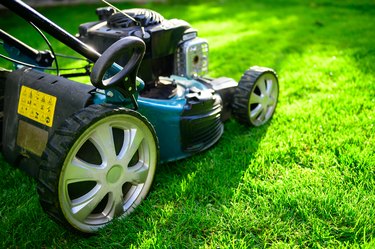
304,180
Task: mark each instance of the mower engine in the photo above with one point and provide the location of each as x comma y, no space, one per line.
172,46
185,107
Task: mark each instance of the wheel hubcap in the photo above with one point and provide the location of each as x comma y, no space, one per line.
114,174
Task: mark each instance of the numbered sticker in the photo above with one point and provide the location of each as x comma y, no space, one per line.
37,105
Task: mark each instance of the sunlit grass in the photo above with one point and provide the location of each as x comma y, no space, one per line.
304,180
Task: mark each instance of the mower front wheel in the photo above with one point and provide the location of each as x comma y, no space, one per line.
97,166
256,96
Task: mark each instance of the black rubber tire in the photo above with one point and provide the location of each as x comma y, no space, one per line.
59,150
3,76
247,88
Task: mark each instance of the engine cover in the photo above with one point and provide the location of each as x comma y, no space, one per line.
172,46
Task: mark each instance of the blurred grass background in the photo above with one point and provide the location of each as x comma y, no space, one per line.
304,180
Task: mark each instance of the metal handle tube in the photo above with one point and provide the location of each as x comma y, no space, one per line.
29,14
24,48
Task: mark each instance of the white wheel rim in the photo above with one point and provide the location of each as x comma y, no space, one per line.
263,99
92,194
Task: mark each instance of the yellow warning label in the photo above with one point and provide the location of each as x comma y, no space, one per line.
37,105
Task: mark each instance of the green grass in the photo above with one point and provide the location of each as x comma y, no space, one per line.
304,180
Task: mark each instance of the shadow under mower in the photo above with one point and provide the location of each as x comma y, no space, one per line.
93,149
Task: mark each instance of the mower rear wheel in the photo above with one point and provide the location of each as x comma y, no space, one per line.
256,96
97,166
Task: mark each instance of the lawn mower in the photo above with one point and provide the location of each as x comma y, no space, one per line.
93,148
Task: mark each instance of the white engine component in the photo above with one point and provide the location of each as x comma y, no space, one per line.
192,58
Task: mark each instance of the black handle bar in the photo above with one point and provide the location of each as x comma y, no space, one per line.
29,14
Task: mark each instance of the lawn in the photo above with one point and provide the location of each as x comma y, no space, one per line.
304,180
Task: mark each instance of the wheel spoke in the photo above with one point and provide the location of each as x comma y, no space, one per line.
137,174
117,205
270,86
102,138
271,101
262,114
262,86
132,141
254,113
78,171
83,206
255,99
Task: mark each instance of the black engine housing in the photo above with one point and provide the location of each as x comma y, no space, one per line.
161,36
